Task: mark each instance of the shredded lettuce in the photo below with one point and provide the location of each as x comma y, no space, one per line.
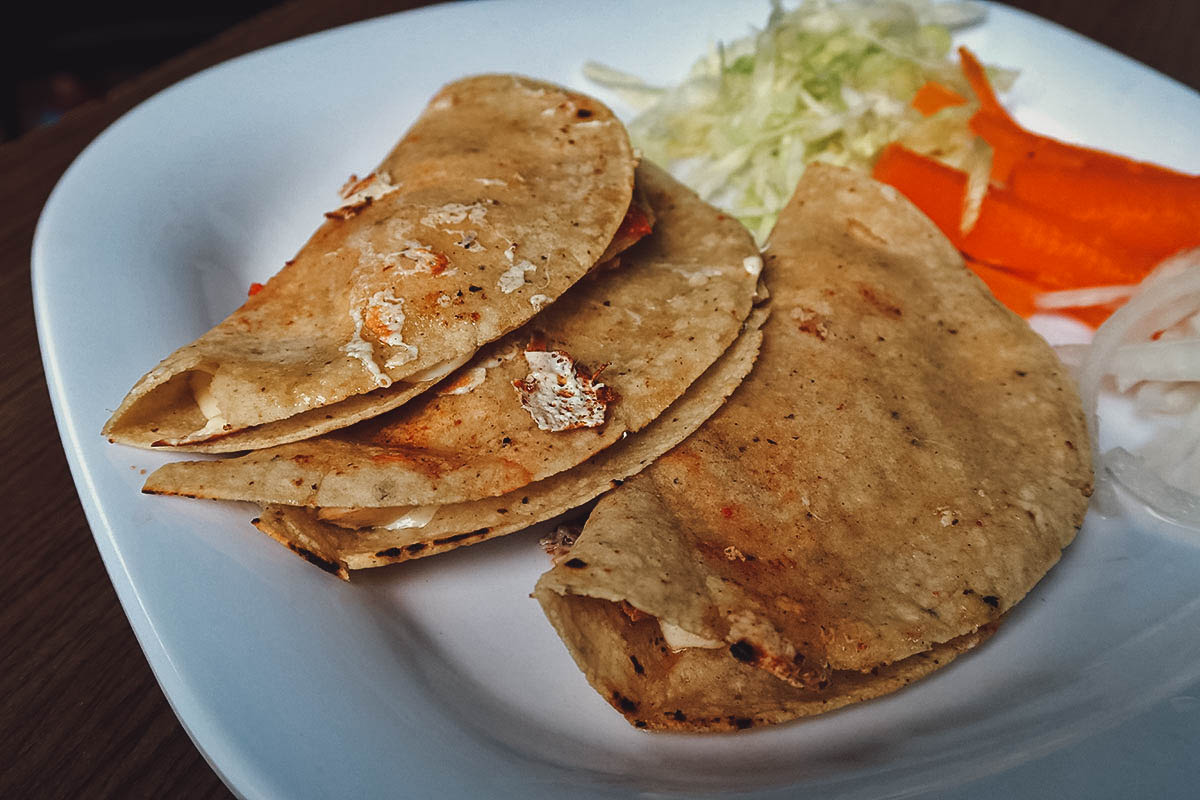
827,81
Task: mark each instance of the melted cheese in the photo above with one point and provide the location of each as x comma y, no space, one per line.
392,518
424,257
438,371
466,383
362,350
372,187
678,639
513,278
201,386
557,396
383,318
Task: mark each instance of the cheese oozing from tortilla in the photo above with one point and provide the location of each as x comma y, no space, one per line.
393,519
471,379
383,316
201,386
513,278
424,258
358,193
679,639
438,371
466,383
558,395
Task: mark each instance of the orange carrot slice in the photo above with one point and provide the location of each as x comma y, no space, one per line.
1058,215
935,188
977,78
1011,145
933,97
1148,211
1055,250
1016,292
1014,144
1092,316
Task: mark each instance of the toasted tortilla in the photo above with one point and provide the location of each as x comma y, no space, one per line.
905,462
408,277
705,691
650,327
339,549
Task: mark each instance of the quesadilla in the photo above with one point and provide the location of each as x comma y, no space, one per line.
601,363
357,540
504,193
905,462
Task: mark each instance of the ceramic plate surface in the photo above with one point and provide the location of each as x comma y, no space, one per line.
442,677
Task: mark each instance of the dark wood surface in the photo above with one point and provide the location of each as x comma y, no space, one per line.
80,712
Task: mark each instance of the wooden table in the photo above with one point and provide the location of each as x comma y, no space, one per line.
80,713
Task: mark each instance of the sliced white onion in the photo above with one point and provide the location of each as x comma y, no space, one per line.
1184,329
1086,297
1174,452
1170,360
1163,398
1167,297
1168,501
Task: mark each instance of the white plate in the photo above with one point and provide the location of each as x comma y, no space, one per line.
442,677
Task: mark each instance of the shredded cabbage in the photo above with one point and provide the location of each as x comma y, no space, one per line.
828,81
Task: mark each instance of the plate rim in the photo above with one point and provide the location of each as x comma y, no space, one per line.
236,773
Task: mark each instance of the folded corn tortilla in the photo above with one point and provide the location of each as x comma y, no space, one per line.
905,462
504,193
338,549
647,329
703,690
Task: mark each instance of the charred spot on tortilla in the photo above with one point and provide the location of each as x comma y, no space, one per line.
744,651
317,561
624,703
458,537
